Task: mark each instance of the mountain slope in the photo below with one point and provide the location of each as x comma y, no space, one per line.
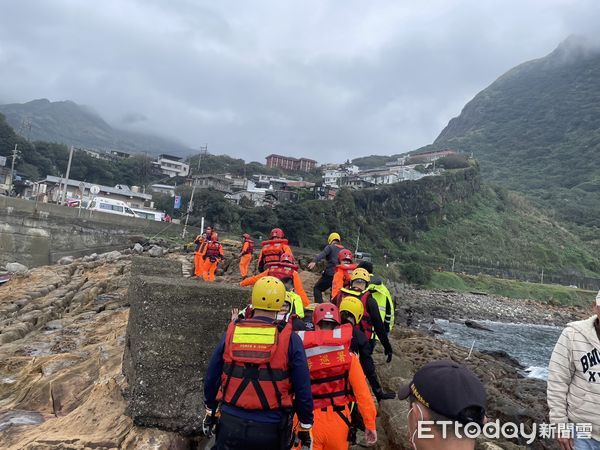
72,124
537,130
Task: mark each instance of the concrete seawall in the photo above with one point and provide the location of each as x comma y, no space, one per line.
36,234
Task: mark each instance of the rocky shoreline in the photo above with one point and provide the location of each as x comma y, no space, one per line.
62,334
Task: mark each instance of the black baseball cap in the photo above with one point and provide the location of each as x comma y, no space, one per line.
448,388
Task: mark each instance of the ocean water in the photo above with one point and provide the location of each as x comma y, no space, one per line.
531,345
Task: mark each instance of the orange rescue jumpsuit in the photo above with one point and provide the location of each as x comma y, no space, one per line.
341,278
200,242
330,432
210,266
245,259
298,288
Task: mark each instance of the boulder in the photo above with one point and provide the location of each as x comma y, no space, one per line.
65,260
138,248
174,326
111,256
477,326
155,251
16,267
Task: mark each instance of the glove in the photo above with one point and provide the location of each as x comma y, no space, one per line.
389,352
211,418
303,436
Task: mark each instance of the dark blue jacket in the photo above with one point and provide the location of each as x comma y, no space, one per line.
303,402
330,255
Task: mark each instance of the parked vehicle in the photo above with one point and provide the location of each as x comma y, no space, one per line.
148,214
363,256
108,205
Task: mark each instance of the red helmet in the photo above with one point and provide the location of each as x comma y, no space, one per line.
287,258
326,312
214,236
246,236
344,254
277,233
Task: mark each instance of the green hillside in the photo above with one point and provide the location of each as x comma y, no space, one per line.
72,124
537,130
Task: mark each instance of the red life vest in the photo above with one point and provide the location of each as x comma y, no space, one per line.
347,269
282,270
366,324
328,355
250,248
212,250
272,250
255,371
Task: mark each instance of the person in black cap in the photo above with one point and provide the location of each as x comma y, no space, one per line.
444,391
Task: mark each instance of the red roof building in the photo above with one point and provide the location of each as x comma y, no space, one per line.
289,163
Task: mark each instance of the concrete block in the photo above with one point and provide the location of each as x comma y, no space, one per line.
174,326
143,265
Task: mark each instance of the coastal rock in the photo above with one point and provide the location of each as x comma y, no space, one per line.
111,256
65,260
138,248
16,267
477,326
155,251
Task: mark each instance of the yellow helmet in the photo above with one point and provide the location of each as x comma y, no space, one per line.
354,306
360,274
268,294
334,236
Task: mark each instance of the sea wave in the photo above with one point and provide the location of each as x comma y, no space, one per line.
537,372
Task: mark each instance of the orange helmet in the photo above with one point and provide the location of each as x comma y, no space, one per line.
277,233
344,254
326,312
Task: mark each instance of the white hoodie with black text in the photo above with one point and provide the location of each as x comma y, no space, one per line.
574,376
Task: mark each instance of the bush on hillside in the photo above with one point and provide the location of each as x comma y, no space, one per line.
453,162
415,273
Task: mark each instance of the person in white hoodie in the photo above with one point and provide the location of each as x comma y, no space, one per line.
574,381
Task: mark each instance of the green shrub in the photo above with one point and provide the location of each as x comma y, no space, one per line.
415,273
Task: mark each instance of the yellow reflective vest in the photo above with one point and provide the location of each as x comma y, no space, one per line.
385,302
297,305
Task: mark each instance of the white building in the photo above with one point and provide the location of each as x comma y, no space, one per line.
164,189
332,175
172,166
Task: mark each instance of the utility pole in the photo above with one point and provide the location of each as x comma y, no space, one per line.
12,169
63,197
203,151
453,261
357,241
542,278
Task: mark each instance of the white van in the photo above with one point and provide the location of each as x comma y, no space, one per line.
108,205
149,214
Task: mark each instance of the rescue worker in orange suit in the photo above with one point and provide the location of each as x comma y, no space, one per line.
198,250
337,381
285,268
330,254
351,312
257,390
343,271
212,256
272,249
246,254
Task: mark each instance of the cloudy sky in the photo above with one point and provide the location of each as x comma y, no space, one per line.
328,79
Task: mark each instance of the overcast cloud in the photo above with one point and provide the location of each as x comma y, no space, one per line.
324,79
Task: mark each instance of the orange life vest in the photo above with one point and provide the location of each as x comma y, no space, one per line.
250,248
282,270
255,371
328,355
347,269
272,250
212,250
